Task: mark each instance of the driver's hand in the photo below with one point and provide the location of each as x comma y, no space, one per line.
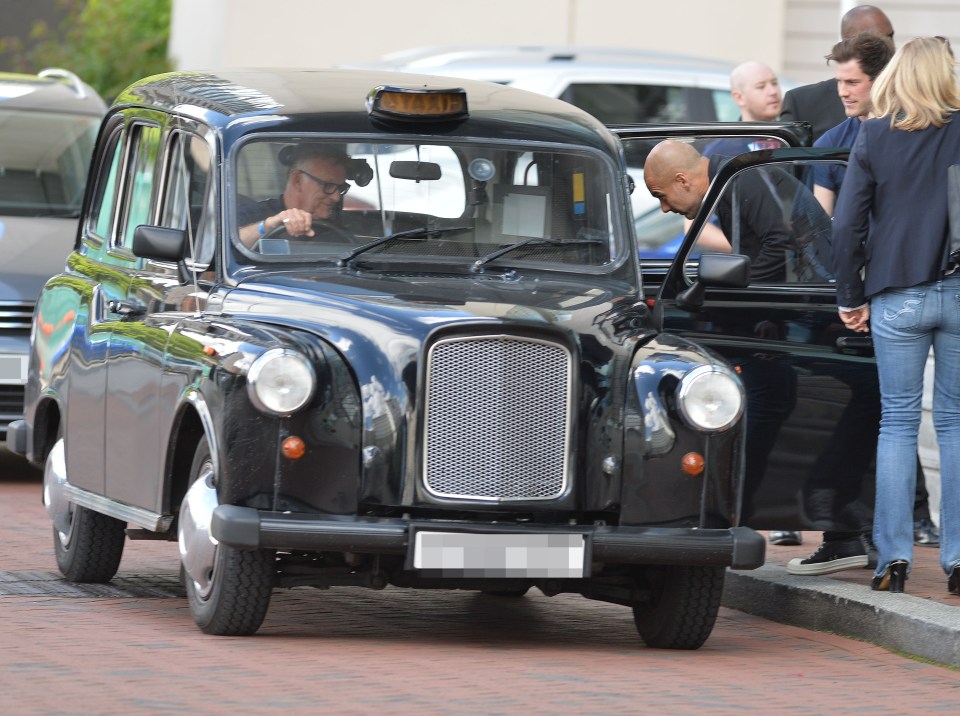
295,222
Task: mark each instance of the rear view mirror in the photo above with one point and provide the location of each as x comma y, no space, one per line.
417,171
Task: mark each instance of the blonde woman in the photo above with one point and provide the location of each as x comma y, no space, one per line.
894,279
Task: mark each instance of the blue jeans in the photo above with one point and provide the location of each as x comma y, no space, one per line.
905,323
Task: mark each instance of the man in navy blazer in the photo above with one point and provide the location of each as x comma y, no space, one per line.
819,103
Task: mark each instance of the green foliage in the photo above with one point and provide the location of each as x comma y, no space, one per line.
108,43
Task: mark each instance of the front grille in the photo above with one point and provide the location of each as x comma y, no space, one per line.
11,405
497,419
15,315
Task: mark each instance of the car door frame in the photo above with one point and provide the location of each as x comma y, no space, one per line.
794,134
830,354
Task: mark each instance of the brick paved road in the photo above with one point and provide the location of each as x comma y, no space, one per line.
131,647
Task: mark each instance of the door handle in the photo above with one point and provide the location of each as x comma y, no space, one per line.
855,345
126,308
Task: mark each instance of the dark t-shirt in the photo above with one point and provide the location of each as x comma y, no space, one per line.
843,135
250,212
731,146
764,237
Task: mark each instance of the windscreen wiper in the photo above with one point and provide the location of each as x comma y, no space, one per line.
533,241
421,232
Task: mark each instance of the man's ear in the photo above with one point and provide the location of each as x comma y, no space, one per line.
682,179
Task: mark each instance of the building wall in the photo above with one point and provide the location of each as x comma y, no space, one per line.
813,26
792,36
212,34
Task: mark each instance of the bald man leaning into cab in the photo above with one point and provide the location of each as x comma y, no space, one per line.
678,176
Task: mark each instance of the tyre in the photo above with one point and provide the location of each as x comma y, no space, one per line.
682,607
88,545
228,589
512,593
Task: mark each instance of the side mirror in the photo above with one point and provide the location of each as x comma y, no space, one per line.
160,243
724,270
715,271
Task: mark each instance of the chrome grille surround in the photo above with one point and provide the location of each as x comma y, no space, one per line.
15,316
498,419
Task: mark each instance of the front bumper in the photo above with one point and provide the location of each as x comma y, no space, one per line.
16,439
249,528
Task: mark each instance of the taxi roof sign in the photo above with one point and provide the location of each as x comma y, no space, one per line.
417,103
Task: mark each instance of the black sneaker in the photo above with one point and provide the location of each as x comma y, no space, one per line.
785,537
871,548
832,556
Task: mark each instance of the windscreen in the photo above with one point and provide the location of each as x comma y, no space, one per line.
455,203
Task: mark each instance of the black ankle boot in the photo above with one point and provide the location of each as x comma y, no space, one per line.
953,583
894,577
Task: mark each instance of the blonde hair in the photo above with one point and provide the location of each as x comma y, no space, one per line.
918,87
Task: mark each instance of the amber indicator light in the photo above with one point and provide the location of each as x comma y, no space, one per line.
293,448
692,463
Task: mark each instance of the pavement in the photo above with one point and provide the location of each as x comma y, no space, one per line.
922,622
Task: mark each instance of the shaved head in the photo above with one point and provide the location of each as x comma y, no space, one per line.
669,157
746,72
677,176
756,90
866,18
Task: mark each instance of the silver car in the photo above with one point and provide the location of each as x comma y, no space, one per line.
48,126
618,86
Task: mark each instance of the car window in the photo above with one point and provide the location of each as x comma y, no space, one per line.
455,201
727,109
770,214
660,235
188,201
639,103
44,158
102,209
443,197
144,148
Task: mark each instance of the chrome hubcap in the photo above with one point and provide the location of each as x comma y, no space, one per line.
54,492
198,548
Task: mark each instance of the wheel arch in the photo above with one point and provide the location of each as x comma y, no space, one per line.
47,419
193,422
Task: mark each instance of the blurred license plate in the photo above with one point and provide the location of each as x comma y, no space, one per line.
555,556
13,369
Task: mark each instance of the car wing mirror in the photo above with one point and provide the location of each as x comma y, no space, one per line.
417,171
715,271
160,243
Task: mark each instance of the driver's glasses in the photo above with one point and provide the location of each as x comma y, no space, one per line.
329,187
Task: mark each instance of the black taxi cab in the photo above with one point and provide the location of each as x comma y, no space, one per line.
343,327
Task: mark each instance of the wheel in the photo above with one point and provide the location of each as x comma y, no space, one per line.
682,607
88,545
319,226
228,589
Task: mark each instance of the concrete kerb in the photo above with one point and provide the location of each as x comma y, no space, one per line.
913,625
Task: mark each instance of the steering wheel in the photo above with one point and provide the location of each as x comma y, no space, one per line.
319,227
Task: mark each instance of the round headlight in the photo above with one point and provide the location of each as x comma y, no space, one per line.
281,381
710,398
